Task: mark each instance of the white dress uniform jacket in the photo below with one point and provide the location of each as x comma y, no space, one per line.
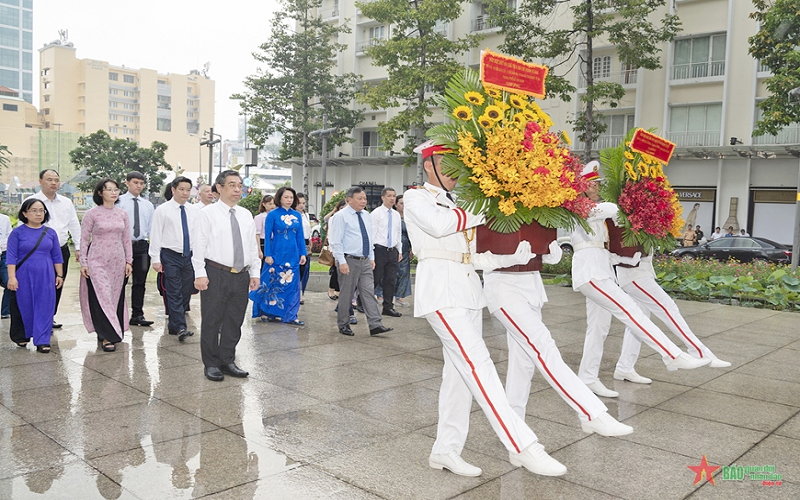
592,259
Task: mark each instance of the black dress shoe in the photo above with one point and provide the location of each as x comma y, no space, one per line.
233,370
214,374
392,312
183,334
360,308
56,325
380,329
345,330
138,321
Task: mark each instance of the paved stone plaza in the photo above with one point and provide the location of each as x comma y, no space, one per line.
324,416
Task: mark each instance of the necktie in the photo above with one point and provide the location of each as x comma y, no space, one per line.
364,236
390,229
185,226
450,197
136,217
238,249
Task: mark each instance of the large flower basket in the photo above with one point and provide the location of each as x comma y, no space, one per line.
488,240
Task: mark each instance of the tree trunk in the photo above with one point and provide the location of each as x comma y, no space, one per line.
588,130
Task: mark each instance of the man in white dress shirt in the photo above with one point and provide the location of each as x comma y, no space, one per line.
388,239
171,252
63,220
140,216
449,295
225,261
204,196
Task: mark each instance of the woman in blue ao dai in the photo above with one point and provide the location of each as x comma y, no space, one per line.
284,251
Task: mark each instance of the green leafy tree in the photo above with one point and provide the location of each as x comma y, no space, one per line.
419,60
3,152
101,156
299,85
252,201
628,25
776,46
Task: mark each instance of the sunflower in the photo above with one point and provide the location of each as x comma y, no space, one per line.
519,119
493,92
530,115
494,112
485,121
518,101
566,138
463,113
628,155
474,98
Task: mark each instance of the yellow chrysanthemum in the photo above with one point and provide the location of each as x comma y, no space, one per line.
566,138
494,112
474,98
518,101
463,113
628,155
493,92
485,121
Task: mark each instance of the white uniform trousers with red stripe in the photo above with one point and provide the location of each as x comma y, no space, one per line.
652,298
604,299
531,346
469,372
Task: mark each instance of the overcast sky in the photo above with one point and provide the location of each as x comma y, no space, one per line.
170,36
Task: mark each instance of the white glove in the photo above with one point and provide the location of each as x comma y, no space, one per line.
488,261
631,261
554,257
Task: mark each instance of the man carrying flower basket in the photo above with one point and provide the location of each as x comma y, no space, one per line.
449,295
593,276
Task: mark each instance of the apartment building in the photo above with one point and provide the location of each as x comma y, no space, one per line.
142,105
16,47
704,96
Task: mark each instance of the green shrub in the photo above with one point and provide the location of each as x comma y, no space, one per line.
251,201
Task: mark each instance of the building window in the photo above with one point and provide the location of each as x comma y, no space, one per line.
114,130
113,118
10,107
47,111
9,58
27,4
113,104
113,91
128,131
27,81
162,82
9,16
127,106
164,101
128,119
377,33
789,134
127,78
27,61
696,125
46,85
128,93
164,124
47,98
699,57
27,20
27,40
193,128
601,67
113,77
9,37
9,78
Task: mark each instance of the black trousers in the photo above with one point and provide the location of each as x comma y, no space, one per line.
141,265
222,308
17,329
385,273
178,287
102,323
64,268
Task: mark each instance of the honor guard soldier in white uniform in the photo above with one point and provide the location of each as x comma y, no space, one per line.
639,282
593,276
449,295
516,299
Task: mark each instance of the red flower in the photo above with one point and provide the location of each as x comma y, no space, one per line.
541,171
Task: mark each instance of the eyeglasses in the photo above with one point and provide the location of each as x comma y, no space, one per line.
35,211
112,190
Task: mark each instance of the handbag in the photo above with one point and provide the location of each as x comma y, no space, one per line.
326,256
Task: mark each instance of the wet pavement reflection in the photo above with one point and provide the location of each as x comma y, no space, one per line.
328,416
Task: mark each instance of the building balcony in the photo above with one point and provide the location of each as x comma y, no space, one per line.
698,70
481,23
363,45
698,138
329,14
368,152
602,142
789,135
627,77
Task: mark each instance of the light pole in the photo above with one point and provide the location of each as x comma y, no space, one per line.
210,143
324,133
58,149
